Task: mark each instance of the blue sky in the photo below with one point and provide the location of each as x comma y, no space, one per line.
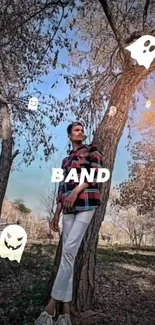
28,183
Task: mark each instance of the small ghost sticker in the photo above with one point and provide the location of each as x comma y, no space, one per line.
143,50
112,111
33,103
12,242
148,104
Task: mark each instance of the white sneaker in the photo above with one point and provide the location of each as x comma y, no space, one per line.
64,320
44,319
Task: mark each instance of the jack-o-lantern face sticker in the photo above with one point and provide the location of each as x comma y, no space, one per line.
12,242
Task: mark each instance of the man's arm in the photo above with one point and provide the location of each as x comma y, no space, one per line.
80,188
70,199
58,210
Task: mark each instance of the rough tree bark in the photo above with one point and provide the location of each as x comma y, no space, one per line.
6,157
107,138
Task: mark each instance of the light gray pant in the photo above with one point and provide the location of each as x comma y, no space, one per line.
74,228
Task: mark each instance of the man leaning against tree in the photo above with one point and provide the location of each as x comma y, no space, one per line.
78,203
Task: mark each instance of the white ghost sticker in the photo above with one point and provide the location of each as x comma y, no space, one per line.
12,242
112,111
143,50
148,104
33,103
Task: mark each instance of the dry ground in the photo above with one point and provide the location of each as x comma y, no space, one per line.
125,287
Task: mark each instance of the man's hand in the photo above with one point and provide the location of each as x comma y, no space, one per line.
54,224
70,199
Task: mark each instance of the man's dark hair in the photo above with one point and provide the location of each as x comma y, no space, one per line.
70,126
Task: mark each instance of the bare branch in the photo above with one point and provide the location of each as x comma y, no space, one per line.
147,3
3,100
15,155
135,35
52,3
112,23
56,30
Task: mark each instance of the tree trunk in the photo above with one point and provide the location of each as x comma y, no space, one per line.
50,232
53,275
6,149
140,240
132,240
107,138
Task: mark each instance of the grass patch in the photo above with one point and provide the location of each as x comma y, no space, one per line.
25,309
29,280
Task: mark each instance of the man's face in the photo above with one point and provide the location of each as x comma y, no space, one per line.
77,134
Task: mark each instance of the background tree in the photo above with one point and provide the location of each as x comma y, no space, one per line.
35,227
48,193
24,212
139,190
19,204
136,226
48,202
30,41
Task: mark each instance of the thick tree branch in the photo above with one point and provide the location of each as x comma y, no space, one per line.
112,23
135,35
147,3
3,100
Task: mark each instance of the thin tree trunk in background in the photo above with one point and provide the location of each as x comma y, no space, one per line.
6,149
107,138
50,232
140,240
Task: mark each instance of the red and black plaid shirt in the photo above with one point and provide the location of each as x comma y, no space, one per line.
86,156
